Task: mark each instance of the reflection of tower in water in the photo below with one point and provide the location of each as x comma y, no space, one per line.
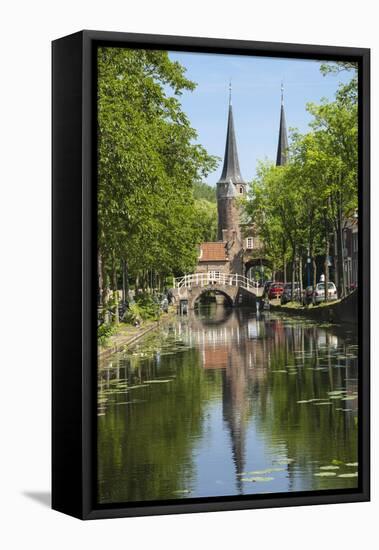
236,409
239,349
260,368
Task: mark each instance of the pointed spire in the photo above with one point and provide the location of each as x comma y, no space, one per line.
231,170
282,154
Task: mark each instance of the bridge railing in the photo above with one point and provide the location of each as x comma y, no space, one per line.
214,278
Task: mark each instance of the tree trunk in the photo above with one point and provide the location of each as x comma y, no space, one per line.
293,276
158,278
115,292
125,282
326,267
105,279
99,279
300,278
314,266
341,271
284,262
142,281
327,252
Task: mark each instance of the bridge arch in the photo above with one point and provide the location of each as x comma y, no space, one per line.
229,299
196,292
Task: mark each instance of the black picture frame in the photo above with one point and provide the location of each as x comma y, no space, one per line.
74,272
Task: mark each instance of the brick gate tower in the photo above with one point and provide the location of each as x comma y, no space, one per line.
230,186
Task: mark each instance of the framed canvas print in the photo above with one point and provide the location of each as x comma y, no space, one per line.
210,274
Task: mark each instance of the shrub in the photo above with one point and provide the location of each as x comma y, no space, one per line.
144,307
104,332
149,309
133,314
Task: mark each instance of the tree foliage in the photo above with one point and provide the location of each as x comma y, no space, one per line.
148,164
300,209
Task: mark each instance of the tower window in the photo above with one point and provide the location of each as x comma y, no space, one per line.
241,189
249,243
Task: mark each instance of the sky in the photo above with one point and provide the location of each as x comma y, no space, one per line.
256,84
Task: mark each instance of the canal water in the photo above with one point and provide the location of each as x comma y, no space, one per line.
224,403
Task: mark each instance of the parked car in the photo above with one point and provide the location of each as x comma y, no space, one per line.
319,293
287,295
275,290
266,287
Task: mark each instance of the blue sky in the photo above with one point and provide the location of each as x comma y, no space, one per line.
256,85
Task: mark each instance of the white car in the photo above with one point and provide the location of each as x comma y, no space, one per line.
319,293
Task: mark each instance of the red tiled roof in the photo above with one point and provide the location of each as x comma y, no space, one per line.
213,252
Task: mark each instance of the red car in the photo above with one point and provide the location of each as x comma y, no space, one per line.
275,290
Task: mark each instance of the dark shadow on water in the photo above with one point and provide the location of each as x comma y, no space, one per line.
42,497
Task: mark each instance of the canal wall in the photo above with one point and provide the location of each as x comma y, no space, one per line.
345,311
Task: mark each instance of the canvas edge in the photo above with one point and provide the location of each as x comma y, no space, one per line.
85,508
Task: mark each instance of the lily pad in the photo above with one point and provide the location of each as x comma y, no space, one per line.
157,381
325,474
267,471
355,474
355,464
284,461
257,479
330,467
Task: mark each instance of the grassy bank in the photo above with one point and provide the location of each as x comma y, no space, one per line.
338,311
120,336
301,307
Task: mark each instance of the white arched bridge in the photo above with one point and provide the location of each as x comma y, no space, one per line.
236,288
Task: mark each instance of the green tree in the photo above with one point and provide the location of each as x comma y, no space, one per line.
206,216
148,164
302,208
335,130
204,191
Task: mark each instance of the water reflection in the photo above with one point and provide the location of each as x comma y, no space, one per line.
224,403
